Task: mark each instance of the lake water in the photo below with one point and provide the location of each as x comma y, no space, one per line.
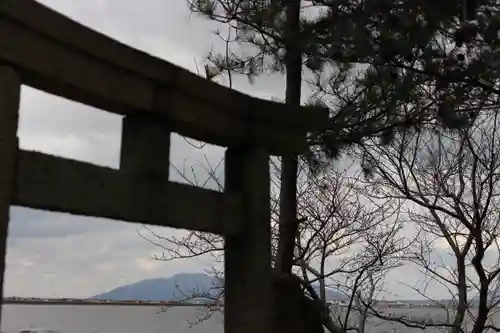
106,319
146,319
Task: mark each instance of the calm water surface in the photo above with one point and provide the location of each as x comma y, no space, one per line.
145,319
106,319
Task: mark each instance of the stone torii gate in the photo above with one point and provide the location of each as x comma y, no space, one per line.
47,51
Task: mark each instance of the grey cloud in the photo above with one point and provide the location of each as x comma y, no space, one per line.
29,223
87,263
131,22
66,128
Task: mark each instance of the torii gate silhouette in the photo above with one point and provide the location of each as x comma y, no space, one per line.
45,50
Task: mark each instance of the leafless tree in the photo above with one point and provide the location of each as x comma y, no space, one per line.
449,182
346,238
346,241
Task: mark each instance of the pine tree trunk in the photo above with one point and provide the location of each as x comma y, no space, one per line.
288,193
295,313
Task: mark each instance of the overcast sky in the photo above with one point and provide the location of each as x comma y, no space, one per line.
56,255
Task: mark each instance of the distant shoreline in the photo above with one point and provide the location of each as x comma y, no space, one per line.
98,302
95,302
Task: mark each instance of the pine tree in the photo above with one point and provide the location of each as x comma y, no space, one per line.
382,67
370,58
423,64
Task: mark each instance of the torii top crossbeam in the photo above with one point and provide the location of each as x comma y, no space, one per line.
60,56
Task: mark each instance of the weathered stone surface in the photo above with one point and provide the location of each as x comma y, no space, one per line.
61,185
145,148
54,67
276,138
247,255
10,89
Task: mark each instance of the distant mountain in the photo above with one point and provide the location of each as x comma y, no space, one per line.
176,288
332,295
161,289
